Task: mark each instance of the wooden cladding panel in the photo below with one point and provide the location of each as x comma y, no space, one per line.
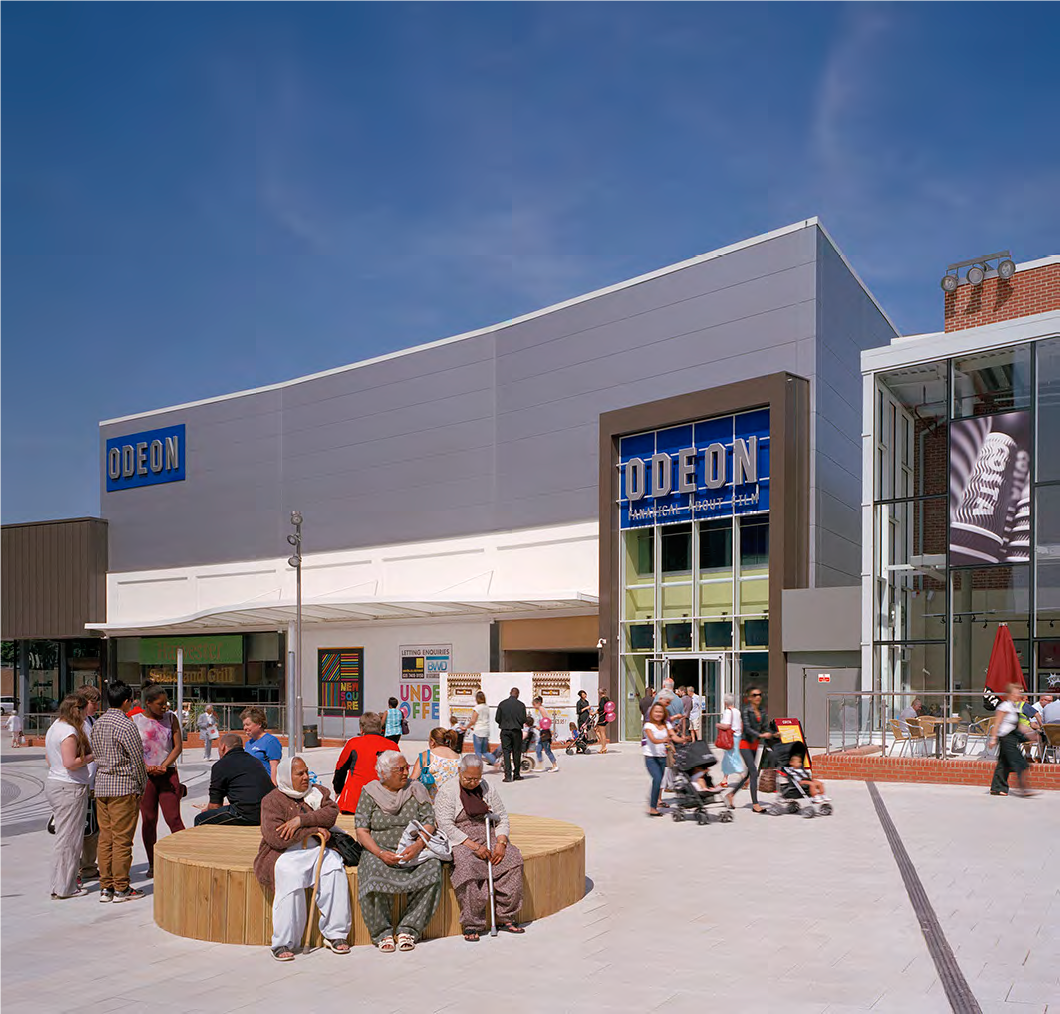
54,578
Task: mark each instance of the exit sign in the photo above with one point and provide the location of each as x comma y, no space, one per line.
824,677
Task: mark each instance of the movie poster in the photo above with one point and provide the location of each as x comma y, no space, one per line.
990,493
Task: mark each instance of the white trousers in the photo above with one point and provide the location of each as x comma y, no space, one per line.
295,870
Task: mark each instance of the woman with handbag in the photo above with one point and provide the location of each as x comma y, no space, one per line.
384,811
295,820
730,731
755,732
437,764
69,756
462,809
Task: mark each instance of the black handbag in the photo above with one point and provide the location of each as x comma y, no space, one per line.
91,821
348,847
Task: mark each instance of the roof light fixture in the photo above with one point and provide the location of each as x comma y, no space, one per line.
977,270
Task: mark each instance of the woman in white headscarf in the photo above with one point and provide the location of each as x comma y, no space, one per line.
295,818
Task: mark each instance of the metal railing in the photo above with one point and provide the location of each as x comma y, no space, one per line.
955,723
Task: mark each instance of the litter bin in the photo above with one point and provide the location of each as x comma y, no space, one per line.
309,736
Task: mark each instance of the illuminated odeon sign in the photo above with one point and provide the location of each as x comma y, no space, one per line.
706,469
145,459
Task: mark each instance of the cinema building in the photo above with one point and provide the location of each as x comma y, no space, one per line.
961,517
660,477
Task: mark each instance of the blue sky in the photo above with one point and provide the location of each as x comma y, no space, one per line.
201,198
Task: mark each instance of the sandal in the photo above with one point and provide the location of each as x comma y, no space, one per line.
406,942
337,946
758,808
511,927
472,937
283,953
387,945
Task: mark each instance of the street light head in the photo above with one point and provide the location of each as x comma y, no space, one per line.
295,561
293,540
296,517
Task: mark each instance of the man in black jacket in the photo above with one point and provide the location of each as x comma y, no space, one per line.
242,779
511,717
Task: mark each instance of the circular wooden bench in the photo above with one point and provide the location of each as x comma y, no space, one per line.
204,885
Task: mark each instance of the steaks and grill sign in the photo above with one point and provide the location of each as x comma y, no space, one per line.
709,469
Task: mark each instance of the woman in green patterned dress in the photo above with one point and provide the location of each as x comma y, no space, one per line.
383,812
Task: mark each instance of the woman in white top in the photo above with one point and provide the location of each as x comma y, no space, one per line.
480,729
440,761
1005,732
731,761
69,755
658,735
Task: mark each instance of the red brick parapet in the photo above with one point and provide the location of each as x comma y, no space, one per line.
867,767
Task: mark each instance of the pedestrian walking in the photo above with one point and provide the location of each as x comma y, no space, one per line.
1005,733
394,718
160,732
120,778
480,731
206,723
89,868
659,733
695,713
732,764
544,734
69,753
511,717
602,718
14,726
755,733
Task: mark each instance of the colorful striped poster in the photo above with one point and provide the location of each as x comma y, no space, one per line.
341,673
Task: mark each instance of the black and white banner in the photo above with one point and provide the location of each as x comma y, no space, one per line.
990,506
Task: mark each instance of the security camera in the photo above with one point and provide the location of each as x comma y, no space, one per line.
600,644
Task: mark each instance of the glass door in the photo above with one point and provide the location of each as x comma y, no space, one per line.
706,674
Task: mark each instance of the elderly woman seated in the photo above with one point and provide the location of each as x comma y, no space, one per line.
383,812
295,818
462,804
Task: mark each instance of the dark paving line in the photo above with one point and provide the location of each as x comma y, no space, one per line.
959,993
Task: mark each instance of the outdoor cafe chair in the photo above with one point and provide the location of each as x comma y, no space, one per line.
1051,731
899,737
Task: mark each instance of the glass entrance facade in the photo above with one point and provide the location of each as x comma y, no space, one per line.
694,567
966,519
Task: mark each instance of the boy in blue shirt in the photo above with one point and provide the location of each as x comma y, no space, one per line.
261,744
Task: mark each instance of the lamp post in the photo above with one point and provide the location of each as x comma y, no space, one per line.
294,692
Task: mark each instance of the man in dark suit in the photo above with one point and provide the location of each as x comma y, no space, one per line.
511,717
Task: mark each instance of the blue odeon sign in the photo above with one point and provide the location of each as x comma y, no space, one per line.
145,459
708,469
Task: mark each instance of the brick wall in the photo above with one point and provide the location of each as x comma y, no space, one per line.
873,767
1036,290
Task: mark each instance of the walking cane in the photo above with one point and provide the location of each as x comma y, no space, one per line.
313,899
489,874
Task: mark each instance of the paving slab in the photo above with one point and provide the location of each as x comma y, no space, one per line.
762,914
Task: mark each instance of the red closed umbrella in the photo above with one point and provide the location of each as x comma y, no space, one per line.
1004,665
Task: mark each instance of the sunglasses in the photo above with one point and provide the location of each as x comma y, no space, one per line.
756,695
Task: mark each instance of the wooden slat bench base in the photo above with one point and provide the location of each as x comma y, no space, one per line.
205,888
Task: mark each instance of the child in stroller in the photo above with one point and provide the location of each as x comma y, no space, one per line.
795,783
581,736
694,789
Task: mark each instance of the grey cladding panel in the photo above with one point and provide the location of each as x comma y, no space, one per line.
483,434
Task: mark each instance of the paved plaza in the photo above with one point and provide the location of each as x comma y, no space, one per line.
764,914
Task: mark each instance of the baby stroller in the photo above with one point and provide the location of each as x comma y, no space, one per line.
527,761
582,737
689,801
792,796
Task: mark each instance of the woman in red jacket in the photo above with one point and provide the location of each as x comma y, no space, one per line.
356,764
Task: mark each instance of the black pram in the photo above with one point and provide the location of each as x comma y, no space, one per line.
689,801
792,796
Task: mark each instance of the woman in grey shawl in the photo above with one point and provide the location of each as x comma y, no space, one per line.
383,812
461,806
